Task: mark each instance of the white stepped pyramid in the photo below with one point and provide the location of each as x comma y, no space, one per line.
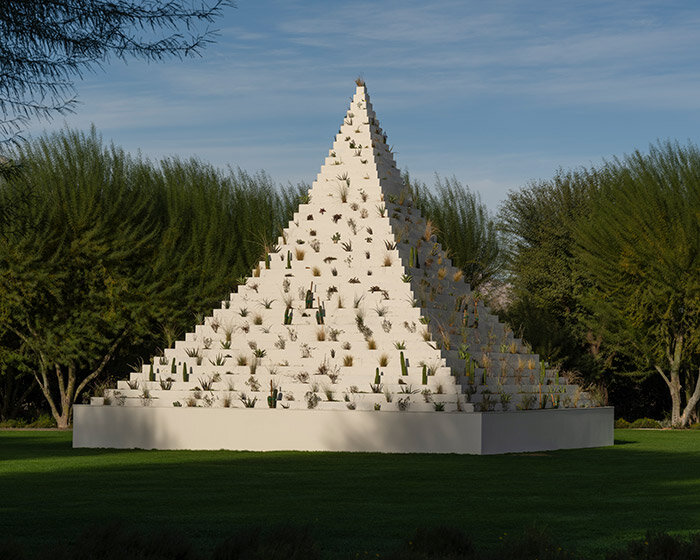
357,310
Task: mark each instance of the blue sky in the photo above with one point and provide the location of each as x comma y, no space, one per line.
494,93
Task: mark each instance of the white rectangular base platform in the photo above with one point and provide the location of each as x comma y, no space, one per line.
316,430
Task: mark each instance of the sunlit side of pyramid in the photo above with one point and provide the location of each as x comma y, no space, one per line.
357,310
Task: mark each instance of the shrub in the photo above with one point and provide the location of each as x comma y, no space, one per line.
533,543
622,423
436,542
275,543
659,546
11,551
645,423
114,542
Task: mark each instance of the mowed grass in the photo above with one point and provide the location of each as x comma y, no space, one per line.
591,500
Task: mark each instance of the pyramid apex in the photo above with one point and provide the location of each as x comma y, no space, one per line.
360,82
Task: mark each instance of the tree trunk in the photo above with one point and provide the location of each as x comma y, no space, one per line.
673,381
63,413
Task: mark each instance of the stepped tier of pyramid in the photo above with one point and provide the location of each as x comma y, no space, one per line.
357,309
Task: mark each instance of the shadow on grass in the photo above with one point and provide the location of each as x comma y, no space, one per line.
624,442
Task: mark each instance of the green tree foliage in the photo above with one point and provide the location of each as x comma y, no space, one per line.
537,223
639,254
604,273
113,249
464,227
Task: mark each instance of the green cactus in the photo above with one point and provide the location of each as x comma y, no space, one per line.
424,377
543,373
185,376
151,373
404,370
267,261
377,378
274,394
288,315
310,297
411,257
289,259
173,368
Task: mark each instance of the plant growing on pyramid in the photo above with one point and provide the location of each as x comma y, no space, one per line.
166,384
309,297
206,383
248,402
312,399
185,375
289,259
320,314
424,375
218,361
253,383
383,360
274,396
402,359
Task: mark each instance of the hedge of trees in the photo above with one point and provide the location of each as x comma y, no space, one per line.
603,264
104,257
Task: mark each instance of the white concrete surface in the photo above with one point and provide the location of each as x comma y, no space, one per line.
312,430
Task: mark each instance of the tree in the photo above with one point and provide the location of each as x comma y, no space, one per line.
117,249
464,227
638,250
546,285
46,45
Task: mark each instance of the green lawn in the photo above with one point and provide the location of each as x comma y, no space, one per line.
591,499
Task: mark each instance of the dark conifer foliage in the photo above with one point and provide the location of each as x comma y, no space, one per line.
47,45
